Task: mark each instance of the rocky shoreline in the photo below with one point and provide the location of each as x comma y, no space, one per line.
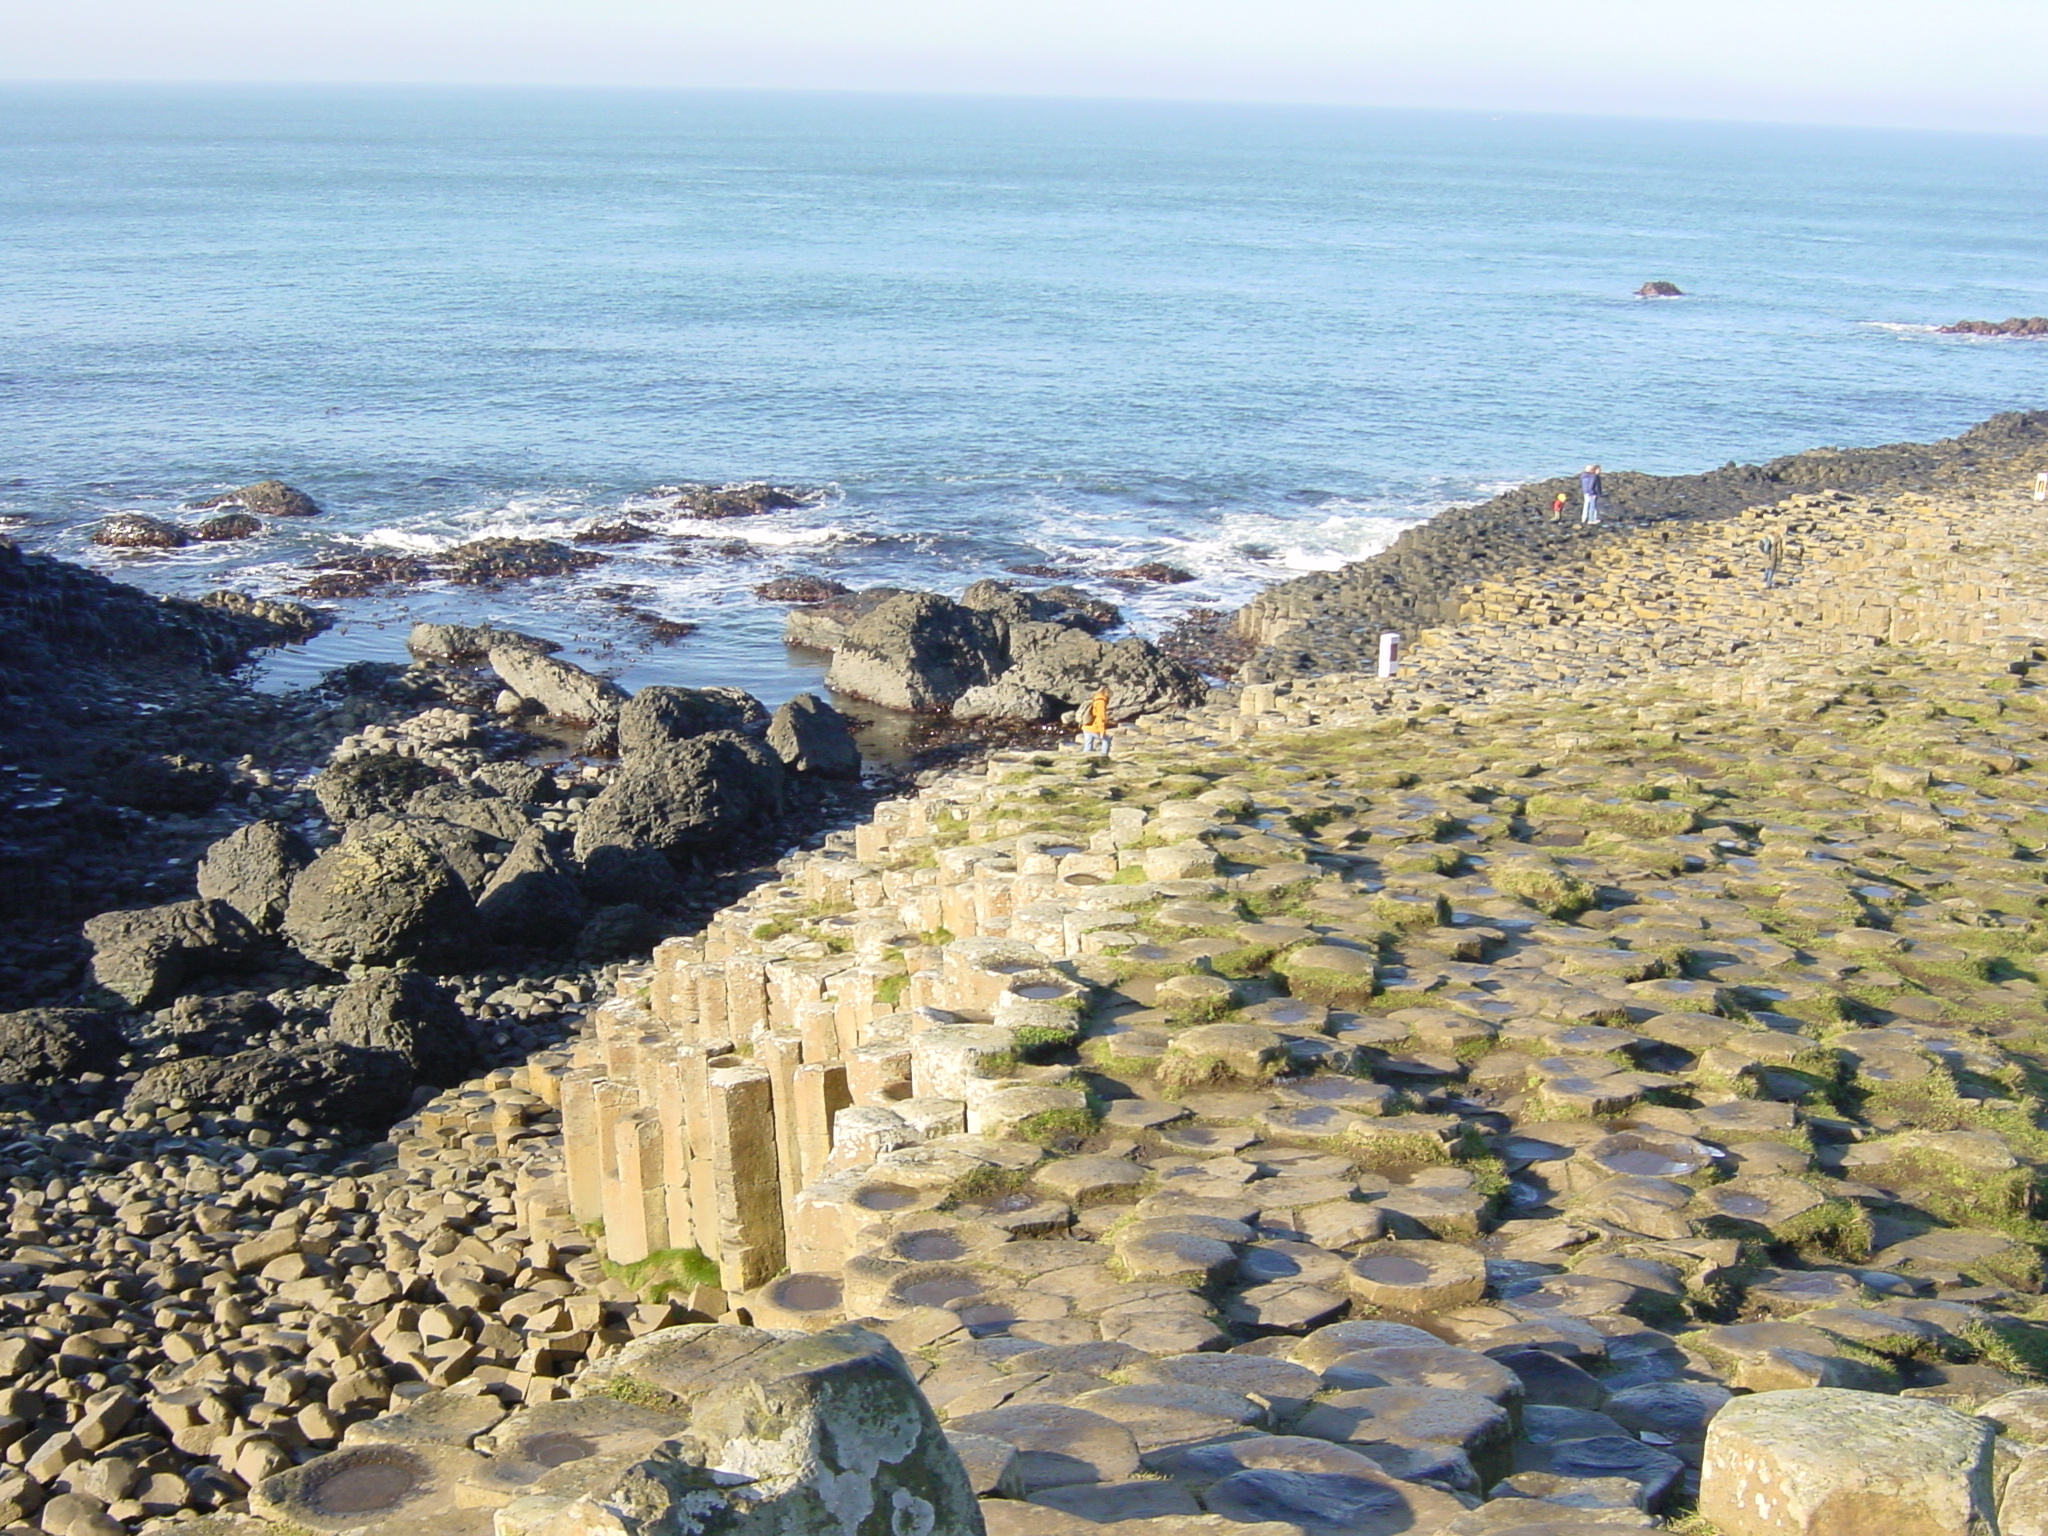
1338,1019
1331,621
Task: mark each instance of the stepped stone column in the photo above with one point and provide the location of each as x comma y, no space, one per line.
635,1200
820,1096
580,1147
878,1073
745,1178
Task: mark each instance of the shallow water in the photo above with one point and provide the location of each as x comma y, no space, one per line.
1249,341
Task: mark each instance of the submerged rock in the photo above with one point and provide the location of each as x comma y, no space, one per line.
1659,290
752,498
486,562
284,621
132,530
227,528
800,589
2036,325
266,498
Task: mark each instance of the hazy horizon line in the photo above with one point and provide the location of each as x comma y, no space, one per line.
1106,98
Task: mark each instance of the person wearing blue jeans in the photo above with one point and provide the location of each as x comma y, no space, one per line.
1589,490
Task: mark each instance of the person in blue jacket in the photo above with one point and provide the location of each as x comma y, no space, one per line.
1589,490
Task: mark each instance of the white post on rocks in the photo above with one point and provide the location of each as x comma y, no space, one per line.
2041,486
1390,653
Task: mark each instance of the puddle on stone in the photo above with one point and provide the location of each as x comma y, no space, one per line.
930,1247
364,1487
939,1290
1641,1160
556,1450
885,1197
808,1293
1393,1269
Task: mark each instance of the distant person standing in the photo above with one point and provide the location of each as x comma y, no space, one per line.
1589,493
1557,505
1095,723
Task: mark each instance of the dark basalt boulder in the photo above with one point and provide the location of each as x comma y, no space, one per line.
385,898
821,626
1070,666
2036,325
613,533
1659,290
613,874
1157,571
168,782
274,622
800,589
660,715
1007,699
918,653
685,796
1049,605
55,1045
486,562
470,853
216,1024
373,783
144,956
266,498
227,528
520,783
252,869
753,498
812,737
474,805
470,642
561,688
359,575
532,902
612,933
327,1082
132,530
413,1015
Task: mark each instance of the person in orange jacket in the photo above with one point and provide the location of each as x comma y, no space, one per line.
1095,723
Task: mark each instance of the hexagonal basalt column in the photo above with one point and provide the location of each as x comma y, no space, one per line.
1417,1277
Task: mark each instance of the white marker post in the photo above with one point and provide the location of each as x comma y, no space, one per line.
2041,486
1390,653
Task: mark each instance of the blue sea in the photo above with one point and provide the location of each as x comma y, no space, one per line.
1249,341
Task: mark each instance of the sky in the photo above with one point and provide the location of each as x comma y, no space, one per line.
1888,63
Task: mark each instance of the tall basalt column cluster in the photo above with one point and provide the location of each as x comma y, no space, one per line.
740,1106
